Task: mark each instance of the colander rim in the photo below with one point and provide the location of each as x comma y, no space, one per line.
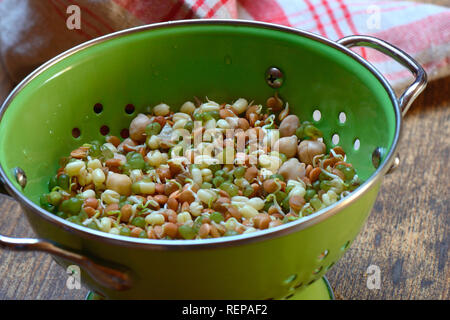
153,244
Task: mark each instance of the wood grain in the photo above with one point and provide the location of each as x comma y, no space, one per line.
406,235
27,275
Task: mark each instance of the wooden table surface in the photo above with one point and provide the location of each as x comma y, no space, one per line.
406,236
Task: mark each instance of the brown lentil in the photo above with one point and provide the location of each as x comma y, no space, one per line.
89,211
234,212
270,186
91,202
125,212
296,202
314,174
172,203
115,141
250,174
79,153
204,230
136,232
161,199
170,229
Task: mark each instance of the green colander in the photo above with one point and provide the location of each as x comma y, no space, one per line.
322,80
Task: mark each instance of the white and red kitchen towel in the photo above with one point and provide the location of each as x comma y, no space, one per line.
33,31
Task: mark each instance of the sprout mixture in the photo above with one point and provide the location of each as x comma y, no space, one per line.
207,171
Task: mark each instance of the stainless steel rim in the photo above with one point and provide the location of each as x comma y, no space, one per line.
217,242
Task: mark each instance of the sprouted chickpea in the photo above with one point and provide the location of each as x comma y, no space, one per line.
157,184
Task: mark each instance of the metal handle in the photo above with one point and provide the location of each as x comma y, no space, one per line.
420,82
413,91
105,276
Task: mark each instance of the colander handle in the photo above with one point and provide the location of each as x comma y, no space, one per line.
105,276
116,279
420,82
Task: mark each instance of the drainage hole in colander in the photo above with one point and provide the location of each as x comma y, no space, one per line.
323,255
76,133
104,130
299,285
317,270
356,144
329,266
335,139
290,279
317,115
345,246
342,117
98,108
124,133
309,283
129,108
289,296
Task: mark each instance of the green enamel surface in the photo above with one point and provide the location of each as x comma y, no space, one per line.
172,65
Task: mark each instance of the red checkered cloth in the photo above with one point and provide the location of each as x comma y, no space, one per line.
33,31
